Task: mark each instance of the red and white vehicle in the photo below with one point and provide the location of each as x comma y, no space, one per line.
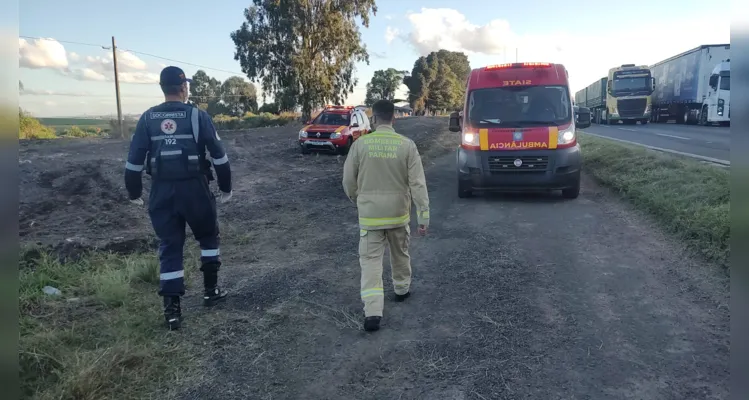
518,131
335,129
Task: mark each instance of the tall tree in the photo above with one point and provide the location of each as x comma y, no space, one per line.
426,70
238,96
306,48
205,91
383,85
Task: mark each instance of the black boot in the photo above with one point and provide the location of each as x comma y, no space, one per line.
213,293
172,312
372,323
213,296
402,297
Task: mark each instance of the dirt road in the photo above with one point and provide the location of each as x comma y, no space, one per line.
513,297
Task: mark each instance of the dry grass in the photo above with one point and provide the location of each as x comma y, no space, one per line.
688,198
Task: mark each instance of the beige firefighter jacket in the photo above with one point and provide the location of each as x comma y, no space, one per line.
382,174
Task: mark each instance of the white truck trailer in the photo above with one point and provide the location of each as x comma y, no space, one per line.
694,87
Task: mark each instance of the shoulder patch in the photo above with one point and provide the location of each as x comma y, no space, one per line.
168,114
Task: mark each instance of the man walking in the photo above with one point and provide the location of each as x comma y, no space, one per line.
170,143
382,174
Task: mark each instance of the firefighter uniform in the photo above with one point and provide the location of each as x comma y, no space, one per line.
382,174
170,143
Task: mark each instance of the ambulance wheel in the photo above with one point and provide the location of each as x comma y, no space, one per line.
464,190
573,192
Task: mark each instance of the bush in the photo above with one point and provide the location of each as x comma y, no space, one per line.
250,120
31,128
85,132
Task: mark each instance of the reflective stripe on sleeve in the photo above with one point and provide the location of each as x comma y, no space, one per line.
425,214
133,167
222,160
384,221
372,293
168,276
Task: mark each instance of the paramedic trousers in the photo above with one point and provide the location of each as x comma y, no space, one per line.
172,203
372,245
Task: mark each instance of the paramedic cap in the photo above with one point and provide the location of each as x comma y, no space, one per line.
173,76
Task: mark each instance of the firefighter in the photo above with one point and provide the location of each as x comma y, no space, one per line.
170,142
381,175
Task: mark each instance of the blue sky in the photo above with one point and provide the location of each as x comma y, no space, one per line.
577,33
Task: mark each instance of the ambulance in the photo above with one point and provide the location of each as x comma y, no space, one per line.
517,131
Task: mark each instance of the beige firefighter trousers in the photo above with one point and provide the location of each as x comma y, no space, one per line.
371,253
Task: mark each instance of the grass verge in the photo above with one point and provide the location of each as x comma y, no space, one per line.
688,198
102,336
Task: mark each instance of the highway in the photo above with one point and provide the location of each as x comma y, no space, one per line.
706,141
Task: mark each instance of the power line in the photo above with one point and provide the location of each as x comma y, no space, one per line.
68,42
136,52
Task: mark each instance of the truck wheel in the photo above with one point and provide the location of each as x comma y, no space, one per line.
703,116
573,192
644,122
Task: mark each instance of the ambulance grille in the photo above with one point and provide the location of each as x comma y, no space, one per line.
500,164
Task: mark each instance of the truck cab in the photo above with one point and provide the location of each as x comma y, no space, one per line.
518,131
717,104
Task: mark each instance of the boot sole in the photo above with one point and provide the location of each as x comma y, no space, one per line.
213,302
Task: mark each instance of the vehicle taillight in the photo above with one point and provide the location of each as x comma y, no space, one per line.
517,65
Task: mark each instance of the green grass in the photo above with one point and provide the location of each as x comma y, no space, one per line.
74,122
103,337
688,198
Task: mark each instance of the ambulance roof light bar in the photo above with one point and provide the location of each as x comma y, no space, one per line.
517,65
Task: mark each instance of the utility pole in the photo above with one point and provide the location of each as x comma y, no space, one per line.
117,90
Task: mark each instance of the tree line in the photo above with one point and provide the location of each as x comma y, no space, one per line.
436,83
303,54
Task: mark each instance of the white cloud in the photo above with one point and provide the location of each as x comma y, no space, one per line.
390,34
42,53
586,57
51,54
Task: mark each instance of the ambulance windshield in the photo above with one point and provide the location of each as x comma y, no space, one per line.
520,106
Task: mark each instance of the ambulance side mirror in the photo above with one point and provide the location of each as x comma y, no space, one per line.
455,122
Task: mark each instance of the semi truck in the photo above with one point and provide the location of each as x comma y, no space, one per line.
624,95
694,86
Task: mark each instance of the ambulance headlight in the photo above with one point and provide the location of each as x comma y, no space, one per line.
302,134
470,138
567,135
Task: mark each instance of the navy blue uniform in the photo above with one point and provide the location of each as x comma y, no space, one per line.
172,143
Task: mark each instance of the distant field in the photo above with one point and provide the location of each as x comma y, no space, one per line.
61,124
